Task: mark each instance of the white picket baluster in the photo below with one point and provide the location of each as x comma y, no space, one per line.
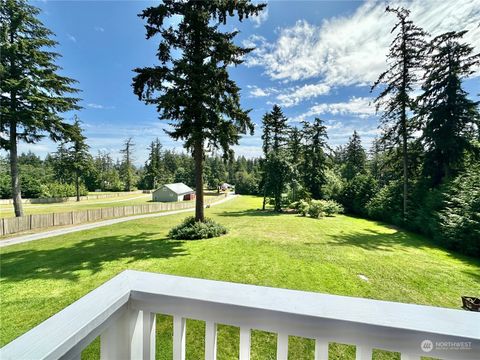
282,346
210,341
132,336
363,353
321,349
179,335
245,343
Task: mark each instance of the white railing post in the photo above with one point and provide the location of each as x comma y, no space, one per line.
282,346
245,343
363,353
210,341
179,336
132,336
321,349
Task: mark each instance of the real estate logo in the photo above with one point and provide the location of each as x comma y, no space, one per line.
426,345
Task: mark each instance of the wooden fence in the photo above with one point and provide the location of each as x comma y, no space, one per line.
38,221
74,198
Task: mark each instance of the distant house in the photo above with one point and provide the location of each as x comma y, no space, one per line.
226,186
173,192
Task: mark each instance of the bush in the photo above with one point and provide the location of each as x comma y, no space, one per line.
190,229
386,205
357,193
303,207
331,207
59,190
316,209
459,218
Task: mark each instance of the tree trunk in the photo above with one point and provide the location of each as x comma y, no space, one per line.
16,190
198,158
405,167
77,186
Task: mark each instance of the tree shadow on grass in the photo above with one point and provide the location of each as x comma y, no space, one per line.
92,255
250,212
397,241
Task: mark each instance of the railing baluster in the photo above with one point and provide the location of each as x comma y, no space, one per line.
179,334
321,349
210,341
282,346
363,353
244,343
132,336
409,357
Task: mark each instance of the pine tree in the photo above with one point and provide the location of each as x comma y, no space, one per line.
405,58
450,121
191,86
315,158
275,140
355,157
126,168
295,150
33,94
154,167
79,159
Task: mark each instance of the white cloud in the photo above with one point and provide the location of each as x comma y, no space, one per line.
298,94
351,49
72,38
360,107
256,91
261,18
99,106
99,29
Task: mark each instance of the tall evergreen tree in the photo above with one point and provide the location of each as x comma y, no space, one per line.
450,120
154,167
355,157
127,170
79,159
33,94
315,158
404,58
275,140
295,150
191,85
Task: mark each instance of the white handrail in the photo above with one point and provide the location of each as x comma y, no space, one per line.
131,299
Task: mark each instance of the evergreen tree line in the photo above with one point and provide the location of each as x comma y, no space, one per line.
422,172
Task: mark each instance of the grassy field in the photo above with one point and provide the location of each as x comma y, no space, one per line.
40,278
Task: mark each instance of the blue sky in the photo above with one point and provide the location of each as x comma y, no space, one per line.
314,58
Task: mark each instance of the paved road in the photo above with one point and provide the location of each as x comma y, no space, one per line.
63,231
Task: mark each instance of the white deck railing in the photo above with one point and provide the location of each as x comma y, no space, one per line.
122,311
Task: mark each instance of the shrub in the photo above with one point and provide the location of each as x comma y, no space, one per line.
386,205
357,193
331,207
303,207
59,190
459,218
316,209
190,229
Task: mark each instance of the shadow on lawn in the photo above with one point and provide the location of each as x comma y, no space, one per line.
250,212
92,255
400,240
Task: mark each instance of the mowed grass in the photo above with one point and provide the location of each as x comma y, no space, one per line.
40,278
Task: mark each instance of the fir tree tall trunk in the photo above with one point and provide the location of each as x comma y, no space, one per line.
198,158
405,173
15,178
77,186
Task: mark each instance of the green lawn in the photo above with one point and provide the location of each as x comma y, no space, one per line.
42,277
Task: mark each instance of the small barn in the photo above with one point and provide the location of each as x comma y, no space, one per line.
173,192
